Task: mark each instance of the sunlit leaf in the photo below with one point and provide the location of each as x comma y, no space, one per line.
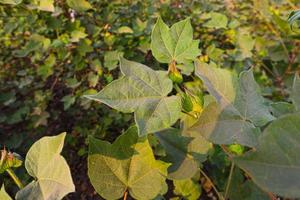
12,2
49,169
79,5
3,194
175,43
126,165
143,91
189,189
217,21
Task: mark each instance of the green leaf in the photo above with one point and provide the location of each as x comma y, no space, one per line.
126,165
12,2
240,97
3,194
49,169
296,92
221,128
76,35
79,5
275,164
143,91
241,107
125,29
282,108
217,21
245,190
175,43
184,166
68,100
47,69
189,189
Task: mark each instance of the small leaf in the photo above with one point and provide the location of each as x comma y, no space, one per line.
246,44
175,43
12,2
79,5
111,59
76,35
217,21
68,100
46,5
126,165
125,29
275,164
49,169
143,91
189,189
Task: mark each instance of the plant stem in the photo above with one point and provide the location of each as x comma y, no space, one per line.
212,184
15,178
229,180
125,195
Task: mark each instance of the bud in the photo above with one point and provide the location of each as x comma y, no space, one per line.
174,74
204,58
192,103
176,77
9,160
236,149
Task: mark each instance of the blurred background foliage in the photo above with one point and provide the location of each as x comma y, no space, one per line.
54,51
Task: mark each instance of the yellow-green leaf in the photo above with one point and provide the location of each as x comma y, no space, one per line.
126,165
51,173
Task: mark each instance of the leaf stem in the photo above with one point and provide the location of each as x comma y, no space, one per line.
15,178
177,88
125,195
212,184
229,180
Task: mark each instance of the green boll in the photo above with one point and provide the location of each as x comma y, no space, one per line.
187,103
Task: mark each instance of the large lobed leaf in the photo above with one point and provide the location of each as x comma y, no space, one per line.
50,170
240,111
126,165
275,165
175,43
183,166
244,189
143,91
